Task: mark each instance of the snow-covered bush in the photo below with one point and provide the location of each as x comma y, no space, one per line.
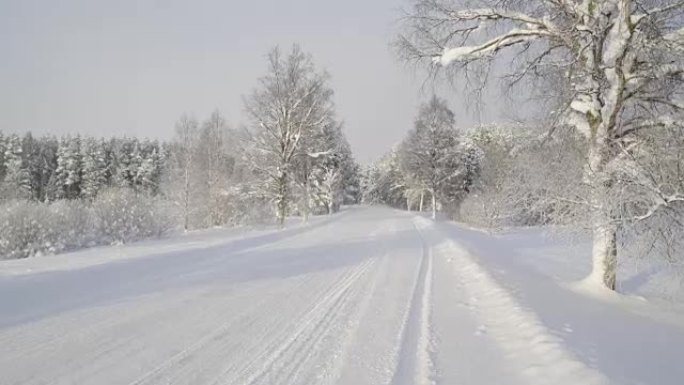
21,232
29,228
526,178
33,228
242,205
67,225
122,215
479,209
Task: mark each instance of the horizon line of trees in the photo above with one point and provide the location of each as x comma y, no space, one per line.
50,168
291,160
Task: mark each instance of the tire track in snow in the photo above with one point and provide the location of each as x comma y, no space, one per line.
313,325
216,334
342,352
291,362
414,366
319,359
234,249
274,350
59,333
123,344
219,338
20,337
236,342
314,351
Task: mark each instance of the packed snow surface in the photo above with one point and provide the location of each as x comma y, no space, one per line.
367,296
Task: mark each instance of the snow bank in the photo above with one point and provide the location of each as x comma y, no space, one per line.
634,337
528,345
29,228
200,239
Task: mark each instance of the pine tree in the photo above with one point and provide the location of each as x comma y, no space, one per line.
31,148
3,147
67,177
149,172
47,162
58,179
109,149
94,168
137,159
17,182
126,170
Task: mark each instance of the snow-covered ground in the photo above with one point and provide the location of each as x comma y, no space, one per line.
368,296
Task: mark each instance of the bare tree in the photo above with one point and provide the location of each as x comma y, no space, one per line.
214,164
292,99
183,165
617,67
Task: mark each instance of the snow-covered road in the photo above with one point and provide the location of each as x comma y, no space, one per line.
333,303
369,296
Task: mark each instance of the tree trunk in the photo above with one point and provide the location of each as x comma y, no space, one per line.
185,217
281,200
604,255
408,204
434,205
307,190
307,199
331,200
422,199
604,229
186,200
281,214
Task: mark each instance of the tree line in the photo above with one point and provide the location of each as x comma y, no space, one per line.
48,168
291,159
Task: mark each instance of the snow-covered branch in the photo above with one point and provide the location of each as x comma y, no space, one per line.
488,48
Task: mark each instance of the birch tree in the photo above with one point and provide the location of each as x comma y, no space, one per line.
617,68
291,100
430,156
214,165
182,165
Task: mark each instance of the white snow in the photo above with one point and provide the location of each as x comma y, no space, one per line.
467,53
368,296
450,55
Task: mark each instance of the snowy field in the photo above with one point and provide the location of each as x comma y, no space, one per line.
367,296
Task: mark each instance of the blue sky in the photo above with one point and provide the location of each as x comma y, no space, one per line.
133,67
